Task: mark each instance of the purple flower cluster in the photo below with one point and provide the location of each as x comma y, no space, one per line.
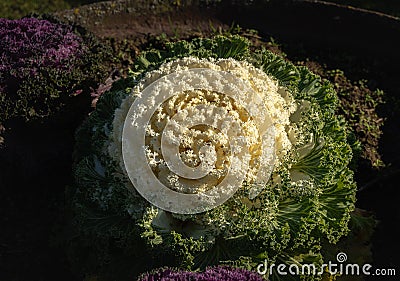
28,44
220,273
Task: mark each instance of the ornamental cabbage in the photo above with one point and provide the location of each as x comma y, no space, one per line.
209,153
42,64
210,274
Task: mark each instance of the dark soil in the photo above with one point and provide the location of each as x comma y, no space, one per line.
36,158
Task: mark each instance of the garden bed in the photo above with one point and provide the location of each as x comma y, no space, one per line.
322,36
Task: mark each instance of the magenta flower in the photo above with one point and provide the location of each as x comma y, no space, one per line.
29,43
219,273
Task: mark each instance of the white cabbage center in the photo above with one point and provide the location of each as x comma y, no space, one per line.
193,137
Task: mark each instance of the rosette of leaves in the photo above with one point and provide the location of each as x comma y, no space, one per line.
306,203
44,63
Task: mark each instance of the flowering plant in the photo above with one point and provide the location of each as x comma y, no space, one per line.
210,274
210,153
42,63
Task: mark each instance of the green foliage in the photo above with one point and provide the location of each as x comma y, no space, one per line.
284,224
359,106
